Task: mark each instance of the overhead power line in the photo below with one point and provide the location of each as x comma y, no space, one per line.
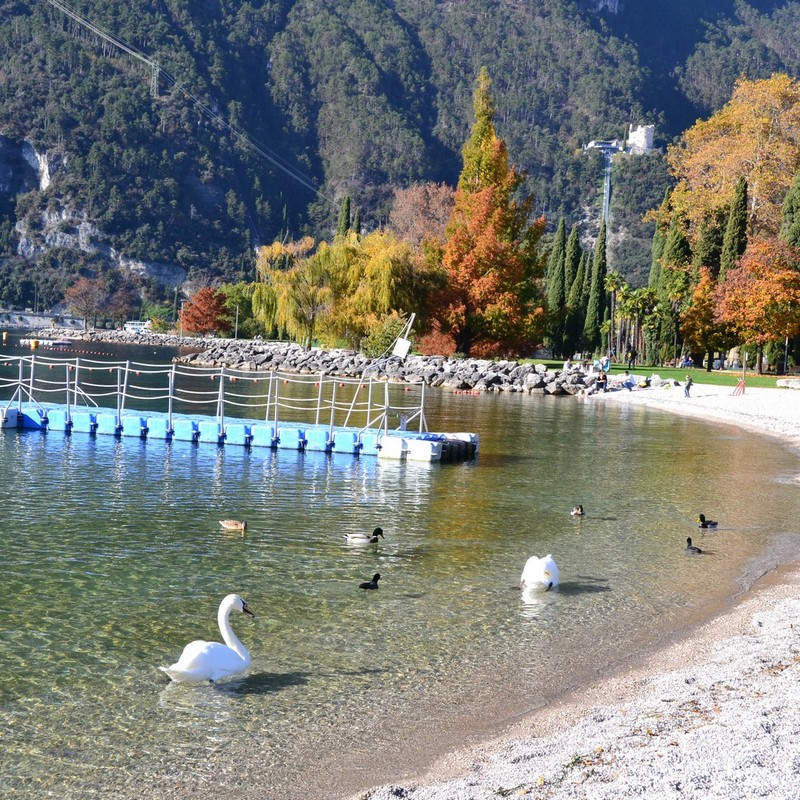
158,72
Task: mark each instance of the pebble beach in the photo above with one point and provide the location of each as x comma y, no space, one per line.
714,714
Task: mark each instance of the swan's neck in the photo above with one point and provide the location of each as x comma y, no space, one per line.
228,636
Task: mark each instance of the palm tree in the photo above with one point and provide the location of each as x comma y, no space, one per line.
642,302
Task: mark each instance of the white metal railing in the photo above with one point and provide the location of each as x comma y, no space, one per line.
362,404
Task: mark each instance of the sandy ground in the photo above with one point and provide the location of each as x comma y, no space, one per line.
714,715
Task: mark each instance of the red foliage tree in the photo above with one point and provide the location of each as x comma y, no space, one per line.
205,313
702,330
760,299
87,298
492,302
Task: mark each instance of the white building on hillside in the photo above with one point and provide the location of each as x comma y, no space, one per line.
640,139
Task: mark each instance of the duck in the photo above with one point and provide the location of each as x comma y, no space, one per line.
704,523
233,524
203,661
577,511
539,573
692,548
364,538
373,584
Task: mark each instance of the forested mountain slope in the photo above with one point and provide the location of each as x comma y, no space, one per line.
268,112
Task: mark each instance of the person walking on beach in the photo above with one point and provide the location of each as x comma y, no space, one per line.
688,385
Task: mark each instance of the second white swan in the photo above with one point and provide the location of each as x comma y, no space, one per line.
539,573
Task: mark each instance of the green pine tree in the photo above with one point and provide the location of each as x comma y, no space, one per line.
344,217
735,240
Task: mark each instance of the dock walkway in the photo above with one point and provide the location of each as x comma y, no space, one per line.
224,406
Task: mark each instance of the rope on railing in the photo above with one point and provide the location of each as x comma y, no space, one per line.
328,398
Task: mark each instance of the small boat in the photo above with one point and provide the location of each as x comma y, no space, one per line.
61,343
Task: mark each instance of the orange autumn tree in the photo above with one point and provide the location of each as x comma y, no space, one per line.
205,312
491,304
756,135
701,329
760,299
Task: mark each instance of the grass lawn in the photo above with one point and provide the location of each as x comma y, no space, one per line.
715,377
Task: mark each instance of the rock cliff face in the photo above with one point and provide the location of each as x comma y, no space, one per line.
17,175
60,228
24,169
611,6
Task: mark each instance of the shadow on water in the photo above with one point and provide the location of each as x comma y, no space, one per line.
586,585
260,683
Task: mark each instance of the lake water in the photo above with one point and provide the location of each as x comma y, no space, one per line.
113,559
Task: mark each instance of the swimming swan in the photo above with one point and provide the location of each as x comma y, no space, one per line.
577,511
541,573
211,661
364,538
233,524
692,548
702,522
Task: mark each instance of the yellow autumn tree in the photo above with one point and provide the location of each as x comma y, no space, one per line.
755,135
376,275
346,289
293,291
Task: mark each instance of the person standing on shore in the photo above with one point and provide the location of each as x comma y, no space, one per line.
687,385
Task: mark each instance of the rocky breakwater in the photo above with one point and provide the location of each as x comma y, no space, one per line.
458,374
142,338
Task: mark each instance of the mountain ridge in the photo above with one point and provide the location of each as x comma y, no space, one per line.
353,98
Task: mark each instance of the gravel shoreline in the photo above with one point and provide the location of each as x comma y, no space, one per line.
715,714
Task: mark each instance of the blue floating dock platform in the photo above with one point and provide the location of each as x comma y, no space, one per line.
396,445
314,413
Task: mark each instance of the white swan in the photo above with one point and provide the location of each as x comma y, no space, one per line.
211,661
364,538
539,573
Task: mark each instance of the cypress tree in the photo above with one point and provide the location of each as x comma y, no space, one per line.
708,251
572,259
588,266
344,217
673,284
596,306
357,221
556,288
656,251
576,309
735,241
790,223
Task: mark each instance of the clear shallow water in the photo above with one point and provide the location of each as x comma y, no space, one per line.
113,559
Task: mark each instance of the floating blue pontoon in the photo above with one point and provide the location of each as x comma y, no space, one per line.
224,406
